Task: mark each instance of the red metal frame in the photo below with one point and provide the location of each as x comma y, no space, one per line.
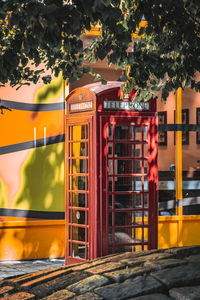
152,186
98,120
70,209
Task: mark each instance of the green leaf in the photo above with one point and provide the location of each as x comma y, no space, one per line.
165,94
97,77
103,81
52,33
92,60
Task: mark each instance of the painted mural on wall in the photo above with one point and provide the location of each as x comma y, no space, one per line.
32,151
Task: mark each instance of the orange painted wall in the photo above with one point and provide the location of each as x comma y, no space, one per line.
32,179
18,126
31,239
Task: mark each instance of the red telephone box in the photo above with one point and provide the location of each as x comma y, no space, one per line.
111,173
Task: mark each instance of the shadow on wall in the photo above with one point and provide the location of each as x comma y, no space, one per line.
49,92
42,186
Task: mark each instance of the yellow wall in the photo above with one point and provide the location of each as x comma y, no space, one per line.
178,231
32,239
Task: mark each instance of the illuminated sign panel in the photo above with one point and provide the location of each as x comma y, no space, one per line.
126,105
80,106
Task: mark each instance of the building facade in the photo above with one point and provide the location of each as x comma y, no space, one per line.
32,189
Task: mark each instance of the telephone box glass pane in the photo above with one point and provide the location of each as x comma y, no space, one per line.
78,183
138,183
146,214
78,234
138,233
123,201
110,186
138,200
110,129
127,184
122,249
145,149
110,202
146,187
110,237
145,167
126,218
137,150
145,128
138,166
131,132
146,197
124,236
138,133
110,219
129,166
78,216
123,184
110,153
79,166
138,214
110,166
128,150
121,132
146,234
79,149
79,251
77,199
145,132
78,132
125,166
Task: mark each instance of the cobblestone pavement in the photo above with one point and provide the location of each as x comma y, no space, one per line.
16,267
150,275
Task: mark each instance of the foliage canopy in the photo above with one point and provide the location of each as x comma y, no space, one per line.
166,56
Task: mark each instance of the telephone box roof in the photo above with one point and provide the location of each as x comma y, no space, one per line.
98,87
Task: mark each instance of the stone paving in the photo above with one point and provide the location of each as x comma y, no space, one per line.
16,267
149,275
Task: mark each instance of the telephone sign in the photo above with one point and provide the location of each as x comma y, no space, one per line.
126,105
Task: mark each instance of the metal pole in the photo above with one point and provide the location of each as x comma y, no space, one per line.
178,163
178,149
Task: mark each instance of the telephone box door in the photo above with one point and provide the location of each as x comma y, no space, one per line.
129,184
78,190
